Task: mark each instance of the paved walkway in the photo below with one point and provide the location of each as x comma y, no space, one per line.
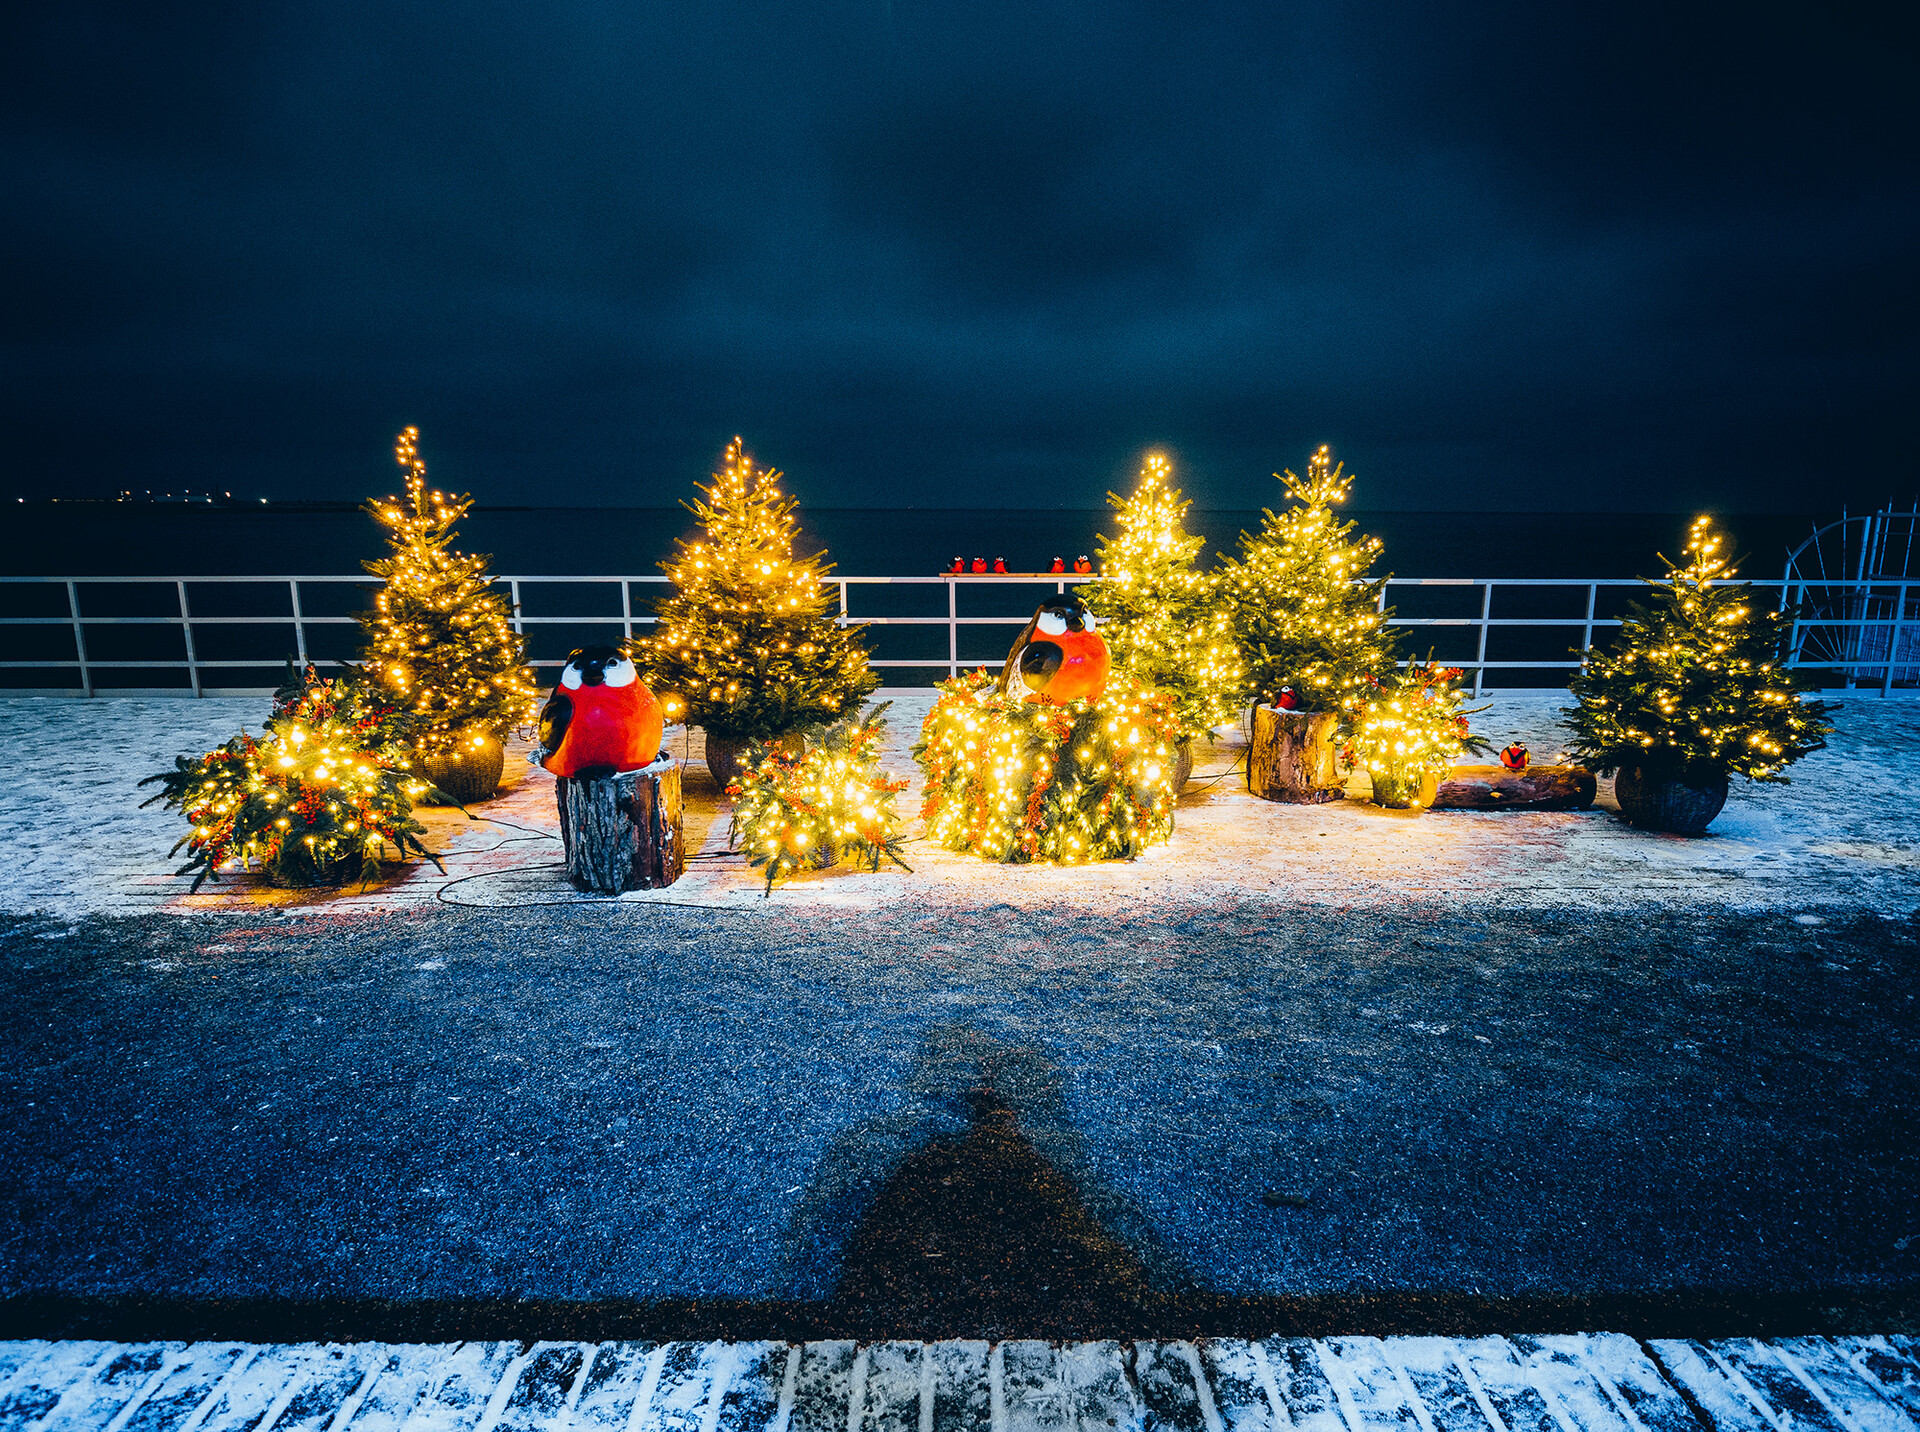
1842,836
1598,1382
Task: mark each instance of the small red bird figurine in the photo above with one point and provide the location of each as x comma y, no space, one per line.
979,564
1288,699
1059,564
1000,565
1081,564
1515,757
601,718
959,565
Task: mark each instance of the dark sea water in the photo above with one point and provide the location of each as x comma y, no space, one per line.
102,539
137,623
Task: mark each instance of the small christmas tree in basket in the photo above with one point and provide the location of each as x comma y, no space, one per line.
747,639
440,638
1312,631
1694,691
1160,614
1407,730
823,804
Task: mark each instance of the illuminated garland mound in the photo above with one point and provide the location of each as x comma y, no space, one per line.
825,804
1018,781
314,799
1412,724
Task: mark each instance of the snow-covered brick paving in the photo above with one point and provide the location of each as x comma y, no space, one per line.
1588,1382
1843,835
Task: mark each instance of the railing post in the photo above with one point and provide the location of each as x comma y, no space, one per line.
1480,660
186,630
1586,637
1893,641
626,607
299,622
79,639
513,589
953,629
843,603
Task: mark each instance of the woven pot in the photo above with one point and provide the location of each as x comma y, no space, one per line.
1653,801
1405,790
470,771
724,754
1182,766
295,868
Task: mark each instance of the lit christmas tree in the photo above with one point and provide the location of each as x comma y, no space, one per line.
1694,689
1409,726
1302,608
1159,614
440,639
747,640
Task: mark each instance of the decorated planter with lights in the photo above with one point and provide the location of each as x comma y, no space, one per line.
1018,781
1404,789
1655,800
469,770
295,867
1182,765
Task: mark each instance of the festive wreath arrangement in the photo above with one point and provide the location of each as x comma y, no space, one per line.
1018,781
818,801
315,798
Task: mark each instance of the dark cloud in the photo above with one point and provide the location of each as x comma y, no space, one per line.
969,253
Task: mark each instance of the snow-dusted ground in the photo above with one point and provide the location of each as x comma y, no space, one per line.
74,842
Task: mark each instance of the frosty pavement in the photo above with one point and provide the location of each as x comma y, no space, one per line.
1841,836
1599,1382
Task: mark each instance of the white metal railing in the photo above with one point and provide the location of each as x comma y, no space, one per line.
1878,638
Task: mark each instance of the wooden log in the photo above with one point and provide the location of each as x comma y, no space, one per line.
1291,757
623,832
1497,788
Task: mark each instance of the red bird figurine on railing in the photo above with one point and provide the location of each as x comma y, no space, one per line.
1000,565
1059,565
1515,757
959,565
1081,564
979,564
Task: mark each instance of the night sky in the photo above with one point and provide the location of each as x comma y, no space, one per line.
961,254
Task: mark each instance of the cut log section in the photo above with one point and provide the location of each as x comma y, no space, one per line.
1497,788
1291,757
623,832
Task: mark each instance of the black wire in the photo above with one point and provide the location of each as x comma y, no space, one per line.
441,896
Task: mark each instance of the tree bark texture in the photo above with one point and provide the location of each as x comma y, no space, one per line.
623,832
1291,757
1497,788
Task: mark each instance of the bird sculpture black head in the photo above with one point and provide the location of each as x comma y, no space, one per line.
1059,655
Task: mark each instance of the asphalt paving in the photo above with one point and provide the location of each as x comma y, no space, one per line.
605,1121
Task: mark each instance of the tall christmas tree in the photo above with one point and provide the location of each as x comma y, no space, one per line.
1304,612
1158,612
747,639
1694,689
440,639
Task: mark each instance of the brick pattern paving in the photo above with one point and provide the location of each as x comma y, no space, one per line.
1596,1382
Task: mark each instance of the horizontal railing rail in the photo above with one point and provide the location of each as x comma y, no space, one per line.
1878,637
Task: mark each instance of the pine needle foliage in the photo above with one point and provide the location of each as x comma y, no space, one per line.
1694,688
440,638
819,805
1304,611
1159,613
1413,722
314,798
747,639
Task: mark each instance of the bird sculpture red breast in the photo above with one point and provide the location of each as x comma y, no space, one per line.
1515,757
979,564
959,565
1288,699
1060,656
1000,565
1081,564
1059,565
601,718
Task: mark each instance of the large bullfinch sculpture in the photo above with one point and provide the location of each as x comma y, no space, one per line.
1059,657
601,718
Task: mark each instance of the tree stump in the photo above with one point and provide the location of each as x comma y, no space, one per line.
1291,757
622,832
1497,788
